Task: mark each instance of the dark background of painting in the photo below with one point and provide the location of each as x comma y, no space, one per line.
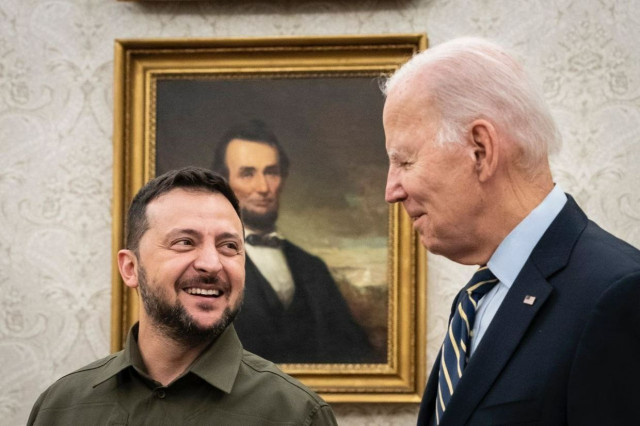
331,128
333,200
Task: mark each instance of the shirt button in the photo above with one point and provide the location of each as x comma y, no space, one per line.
160,393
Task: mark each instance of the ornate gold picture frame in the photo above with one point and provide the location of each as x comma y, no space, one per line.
321,96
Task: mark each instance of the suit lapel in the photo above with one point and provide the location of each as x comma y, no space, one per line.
291,255
261,288
498,344
514,316
427,405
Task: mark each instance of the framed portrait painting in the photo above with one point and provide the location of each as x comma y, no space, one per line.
336,294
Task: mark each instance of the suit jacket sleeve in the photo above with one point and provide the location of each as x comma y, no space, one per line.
605,380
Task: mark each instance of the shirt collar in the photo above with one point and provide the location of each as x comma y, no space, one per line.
218,364
275,233
128,357
512,253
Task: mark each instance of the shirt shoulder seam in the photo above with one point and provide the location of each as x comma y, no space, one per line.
319,402
96,365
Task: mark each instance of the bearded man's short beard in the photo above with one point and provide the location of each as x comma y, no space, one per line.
265,222
175,322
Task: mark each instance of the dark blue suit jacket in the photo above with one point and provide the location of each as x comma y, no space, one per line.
316,328
573,357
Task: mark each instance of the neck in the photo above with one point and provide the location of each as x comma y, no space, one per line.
164,358
509,204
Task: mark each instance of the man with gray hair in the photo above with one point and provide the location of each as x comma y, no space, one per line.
547,330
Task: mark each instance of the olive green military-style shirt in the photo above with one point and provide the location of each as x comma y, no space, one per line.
225,385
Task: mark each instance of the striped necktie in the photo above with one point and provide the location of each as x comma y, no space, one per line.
457,342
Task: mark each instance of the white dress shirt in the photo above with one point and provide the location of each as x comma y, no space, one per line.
511,255
272,264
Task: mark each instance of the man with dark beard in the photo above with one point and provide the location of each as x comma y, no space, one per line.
183,362
294,312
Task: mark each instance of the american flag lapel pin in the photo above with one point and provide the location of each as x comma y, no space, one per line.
529,300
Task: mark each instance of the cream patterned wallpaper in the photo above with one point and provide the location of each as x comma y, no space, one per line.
56,153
